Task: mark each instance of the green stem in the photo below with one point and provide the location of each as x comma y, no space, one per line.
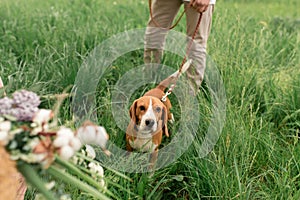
68,178
106,167
34,180
73,169
76,171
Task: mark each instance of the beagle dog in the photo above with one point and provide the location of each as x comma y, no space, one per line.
149,116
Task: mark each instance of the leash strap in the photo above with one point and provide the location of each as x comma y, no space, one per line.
157,24
164,98
191,42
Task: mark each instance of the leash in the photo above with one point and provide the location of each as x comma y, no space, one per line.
157,24
164,98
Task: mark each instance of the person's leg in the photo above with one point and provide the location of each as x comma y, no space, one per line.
164,12
198,52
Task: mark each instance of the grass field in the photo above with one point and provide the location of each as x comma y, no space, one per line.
255,45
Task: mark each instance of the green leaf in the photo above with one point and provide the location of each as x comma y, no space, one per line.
34,180
10,118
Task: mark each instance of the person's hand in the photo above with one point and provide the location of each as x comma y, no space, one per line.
199,5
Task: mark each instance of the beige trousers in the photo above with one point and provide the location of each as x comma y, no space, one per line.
164,12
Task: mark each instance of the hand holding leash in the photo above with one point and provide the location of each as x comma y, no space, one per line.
200,5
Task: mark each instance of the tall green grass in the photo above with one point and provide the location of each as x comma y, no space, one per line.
255,44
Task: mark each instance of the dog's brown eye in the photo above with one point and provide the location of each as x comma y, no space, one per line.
142,108
158,109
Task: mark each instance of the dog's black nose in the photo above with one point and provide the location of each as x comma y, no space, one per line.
149,122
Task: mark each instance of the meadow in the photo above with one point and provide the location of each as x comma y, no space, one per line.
254,44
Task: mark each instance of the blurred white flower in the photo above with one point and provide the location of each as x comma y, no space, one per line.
75,143
102,183
87,134
50,185
96,168
102,136
39,129
97,173
90,151
6,136
5,126
30,158
31,144
15,131
66,152
66,133
91,134
79,160
42,116
60,142
67,142
65,197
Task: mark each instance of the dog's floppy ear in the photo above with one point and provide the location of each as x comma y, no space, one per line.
133,117
165,121
132,111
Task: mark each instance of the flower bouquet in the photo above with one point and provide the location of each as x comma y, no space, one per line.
33,144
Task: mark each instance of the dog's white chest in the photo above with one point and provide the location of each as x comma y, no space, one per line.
143,144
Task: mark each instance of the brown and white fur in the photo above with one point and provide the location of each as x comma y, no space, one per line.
149,116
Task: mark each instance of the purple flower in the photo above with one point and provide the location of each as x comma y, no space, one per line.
23,114
23,105
26,98
5,105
